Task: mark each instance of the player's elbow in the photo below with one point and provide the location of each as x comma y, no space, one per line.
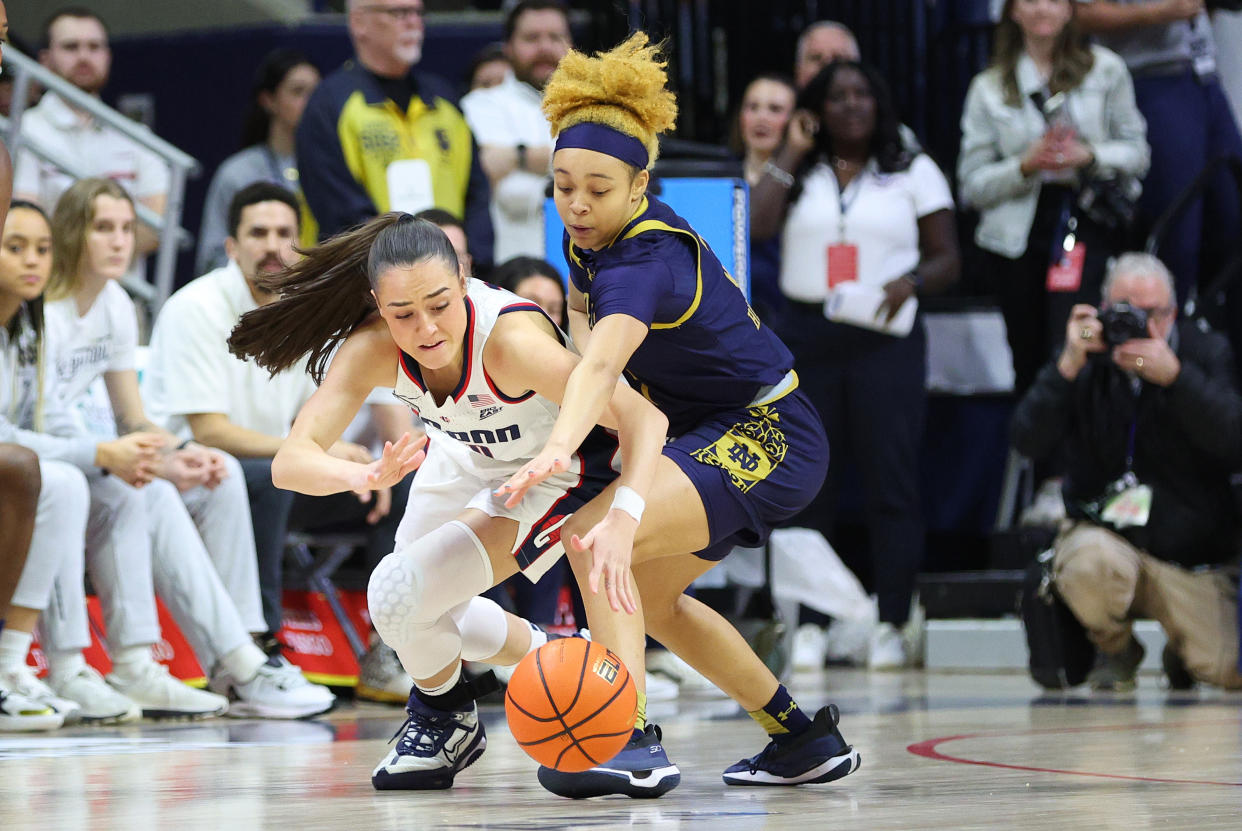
600,370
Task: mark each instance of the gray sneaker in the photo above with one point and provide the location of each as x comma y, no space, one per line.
381,676
1115,672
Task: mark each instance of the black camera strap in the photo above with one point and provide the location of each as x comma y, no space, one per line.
1130,443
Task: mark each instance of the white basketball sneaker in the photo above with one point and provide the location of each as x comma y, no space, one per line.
278,690
19,714
23,681
100,703
888,648
162,696
432,747
687,678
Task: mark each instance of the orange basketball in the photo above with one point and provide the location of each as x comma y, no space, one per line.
571,704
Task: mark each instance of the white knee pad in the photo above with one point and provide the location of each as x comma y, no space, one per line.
483,626
412,590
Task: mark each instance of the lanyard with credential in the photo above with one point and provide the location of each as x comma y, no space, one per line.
843,255
852,190
1069,254
1130,442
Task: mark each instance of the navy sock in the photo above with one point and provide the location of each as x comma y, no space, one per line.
781,717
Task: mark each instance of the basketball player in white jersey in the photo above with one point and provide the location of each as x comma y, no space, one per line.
484,370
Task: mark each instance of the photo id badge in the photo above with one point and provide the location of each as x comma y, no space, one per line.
1128,509
842,264
409,186
1066,273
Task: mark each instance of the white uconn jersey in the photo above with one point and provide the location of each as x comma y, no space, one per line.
485,432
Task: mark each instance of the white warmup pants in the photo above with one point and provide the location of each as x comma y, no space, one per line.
52,578
140,542
222,517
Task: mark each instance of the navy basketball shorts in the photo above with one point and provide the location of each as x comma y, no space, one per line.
753,468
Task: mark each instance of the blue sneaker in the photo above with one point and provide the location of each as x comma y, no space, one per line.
432,747
641,770
818,755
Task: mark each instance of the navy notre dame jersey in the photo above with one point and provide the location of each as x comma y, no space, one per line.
706,351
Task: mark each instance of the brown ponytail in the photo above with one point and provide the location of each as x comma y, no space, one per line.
326,295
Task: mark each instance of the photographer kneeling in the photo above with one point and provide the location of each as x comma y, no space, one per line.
1149,416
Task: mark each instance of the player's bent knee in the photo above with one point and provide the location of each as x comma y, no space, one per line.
393,596
1086,568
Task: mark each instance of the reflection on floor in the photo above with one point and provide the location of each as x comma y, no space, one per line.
939,751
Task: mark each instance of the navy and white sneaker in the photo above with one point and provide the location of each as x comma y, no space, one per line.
818,755
432,747
641,770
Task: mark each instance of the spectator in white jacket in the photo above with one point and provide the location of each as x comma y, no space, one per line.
1049,121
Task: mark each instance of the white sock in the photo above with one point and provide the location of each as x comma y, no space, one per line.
243,662
62,666
441,689
538,638
14,646
128,661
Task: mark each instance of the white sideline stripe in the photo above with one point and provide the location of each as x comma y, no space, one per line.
970,643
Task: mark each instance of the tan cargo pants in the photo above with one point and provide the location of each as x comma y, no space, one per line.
1107,582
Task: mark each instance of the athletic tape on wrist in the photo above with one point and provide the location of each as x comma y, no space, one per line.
628,500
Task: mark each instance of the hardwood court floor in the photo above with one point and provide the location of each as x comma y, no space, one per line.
939,751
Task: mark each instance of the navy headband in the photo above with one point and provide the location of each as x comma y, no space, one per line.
603,139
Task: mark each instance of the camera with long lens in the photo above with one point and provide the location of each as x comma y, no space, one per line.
1123,322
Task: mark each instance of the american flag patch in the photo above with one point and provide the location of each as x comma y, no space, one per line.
480,401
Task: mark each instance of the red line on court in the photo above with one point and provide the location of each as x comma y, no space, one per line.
929,749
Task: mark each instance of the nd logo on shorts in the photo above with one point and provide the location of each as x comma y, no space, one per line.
750,450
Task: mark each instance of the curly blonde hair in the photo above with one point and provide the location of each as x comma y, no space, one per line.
623,88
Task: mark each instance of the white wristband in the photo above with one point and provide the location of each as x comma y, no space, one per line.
628,500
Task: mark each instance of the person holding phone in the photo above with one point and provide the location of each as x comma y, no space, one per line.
1049,116
858,214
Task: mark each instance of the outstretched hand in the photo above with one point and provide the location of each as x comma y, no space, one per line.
547,464
611,543
394,464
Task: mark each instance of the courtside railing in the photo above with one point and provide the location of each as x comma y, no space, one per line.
180,165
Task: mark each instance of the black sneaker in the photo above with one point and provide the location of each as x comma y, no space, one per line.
432,747
641,770
1175,670
818,755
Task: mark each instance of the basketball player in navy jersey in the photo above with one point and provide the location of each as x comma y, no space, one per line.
483,369
649,299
